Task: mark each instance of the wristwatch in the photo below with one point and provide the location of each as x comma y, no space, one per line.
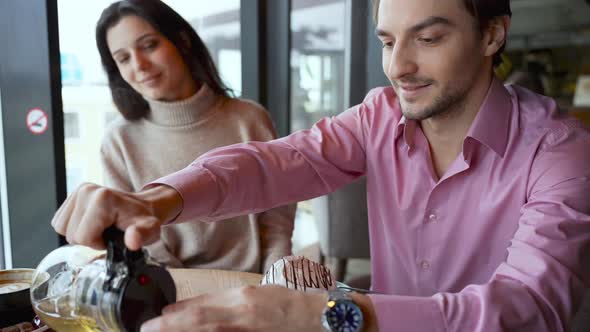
341,313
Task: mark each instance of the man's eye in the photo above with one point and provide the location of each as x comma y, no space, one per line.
428,41
387,44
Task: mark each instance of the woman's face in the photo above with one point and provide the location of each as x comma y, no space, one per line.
148,61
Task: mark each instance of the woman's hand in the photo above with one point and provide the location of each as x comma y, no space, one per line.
264,308
91,209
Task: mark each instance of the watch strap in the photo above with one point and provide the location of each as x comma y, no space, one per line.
337,294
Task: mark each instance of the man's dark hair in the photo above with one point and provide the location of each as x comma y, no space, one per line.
482,10
172,26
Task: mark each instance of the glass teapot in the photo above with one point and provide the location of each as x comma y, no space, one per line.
76,288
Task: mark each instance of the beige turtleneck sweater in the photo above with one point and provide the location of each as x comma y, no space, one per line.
135,153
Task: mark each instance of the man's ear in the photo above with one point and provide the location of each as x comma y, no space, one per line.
495,34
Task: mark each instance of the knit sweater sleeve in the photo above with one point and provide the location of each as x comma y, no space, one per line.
114,170
276,230
276,225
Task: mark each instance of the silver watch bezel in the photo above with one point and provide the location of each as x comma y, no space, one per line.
339,296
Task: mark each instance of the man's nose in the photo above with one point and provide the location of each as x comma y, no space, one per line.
402,62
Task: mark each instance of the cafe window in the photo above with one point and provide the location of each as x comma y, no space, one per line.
110,117
71,125
317,81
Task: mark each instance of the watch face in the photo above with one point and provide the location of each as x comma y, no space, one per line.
344,316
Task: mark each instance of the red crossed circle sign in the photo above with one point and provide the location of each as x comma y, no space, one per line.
37,121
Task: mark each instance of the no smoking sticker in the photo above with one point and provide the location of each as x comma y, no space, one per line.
37,121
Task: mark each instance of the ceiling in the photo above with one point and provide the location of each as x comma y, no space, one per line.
547,23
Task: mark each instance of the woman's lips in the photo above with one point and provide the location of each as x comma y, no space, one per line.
151,80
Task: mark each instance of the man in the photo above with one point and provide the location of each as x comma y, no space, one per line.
477,193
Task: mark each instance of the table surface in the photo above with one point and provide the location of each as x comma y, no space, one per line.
192,282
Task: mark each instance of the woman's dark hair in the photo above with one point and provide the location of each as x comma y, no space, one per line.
172,26
482,10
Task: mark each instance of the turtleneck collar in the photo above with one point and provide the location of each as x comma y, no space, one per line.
183,112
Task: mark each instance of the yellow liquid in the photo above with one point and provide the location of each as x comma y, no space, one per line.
60,323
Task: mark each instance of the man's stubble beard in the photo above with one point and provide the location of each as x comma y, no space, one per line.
446,104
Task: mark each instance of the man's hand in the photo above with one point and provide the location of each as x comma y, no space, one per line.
265,308
91,209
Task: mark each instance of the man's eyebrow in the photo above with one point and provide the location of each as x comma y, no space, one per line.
432,20
381,33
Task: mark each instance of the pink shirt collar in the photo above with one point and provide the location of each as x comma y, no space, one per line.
490,126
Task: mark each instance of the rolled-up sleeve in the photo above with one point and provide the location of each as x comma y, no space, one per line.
303,165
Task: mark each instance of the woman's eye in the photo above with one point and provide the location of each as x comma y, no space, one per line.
122,59
150,45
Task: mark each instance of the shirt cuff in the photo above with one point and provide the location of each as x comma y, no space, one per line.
408,314
197,189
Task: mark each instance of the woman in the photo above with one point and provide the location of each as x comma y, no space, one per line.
175,108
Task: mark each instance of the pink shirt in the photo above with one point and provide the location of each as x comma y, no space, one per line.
500,243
